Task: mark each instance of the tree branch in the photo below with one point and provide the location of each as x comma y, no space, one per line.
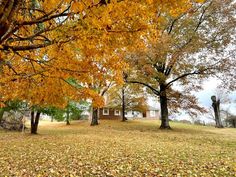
156,92
182,76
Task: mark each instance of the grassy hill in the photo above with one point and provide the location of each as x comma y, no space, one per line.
114,148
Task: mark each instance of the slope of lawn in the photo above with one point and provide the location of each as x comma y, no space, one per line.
114,148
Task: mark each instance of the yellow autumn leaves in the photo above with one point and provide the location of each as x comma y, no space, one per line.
88,48
137,148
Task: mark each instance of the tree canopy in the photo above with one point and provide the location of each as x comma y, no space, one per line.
186,49
55,51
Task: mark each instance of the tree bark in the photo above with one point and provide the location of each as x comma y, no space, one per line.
67,117
1,114
8,11
94,117
234,123
216,107
123,105
34,122
164,108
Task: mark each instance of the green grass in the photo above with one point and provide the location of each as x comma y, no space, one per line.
114,148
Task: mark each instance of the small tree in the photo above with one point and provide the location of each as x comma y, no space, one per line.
72,111
127,97
231,120
54,113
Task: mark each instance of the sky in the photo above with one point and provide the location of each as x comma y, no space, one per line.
209,89
204,97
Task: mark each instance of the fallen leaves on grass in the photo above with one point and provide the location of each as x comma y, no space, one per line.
114,148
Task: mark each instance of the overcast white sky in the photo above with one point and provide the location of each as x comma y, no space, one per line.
204,96
209,89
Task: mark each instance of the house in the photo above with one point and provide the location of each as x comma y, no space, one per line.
152,113
111,113
134,114
136,107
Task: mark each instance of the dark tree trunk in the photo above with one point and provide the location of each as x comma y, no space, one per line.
216,107
67,117
164,108
37,121
234,123
94,117
67,122
34,122
144,114
1,114
123,105
10,9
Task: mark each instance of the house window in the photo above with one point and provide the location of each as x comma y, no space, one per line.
152,113
117,112
105,112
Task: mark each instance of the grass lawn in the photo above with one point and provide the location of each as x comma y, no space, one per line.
114,148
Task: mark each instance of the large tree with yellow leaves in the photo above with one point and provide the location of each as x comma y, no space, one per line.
44,43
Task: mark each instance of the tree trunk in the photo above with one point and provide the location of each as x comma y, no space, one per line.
123,105
8,10
234,123
67,117
1,114
216,107
94,117
164,108
34,122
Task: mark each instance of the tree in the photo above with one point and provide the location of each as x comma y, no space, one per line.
188,48
219,101
101,88
34,24
228,118
43,44
216,107
127,98
42,90
32,21
35,115
74,111
231,120
44,17
40,25
55,113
